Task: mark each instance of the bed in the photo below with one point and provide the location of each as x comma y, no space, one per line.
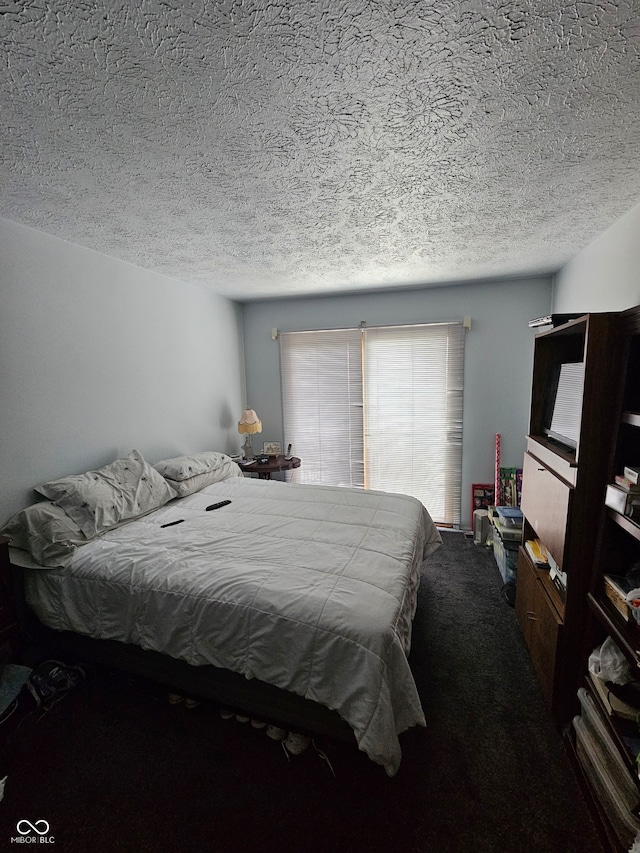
305,592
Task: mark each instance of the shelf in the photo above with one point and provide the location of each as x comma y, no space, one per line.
629,526
606,833
617,727
625,634
617,546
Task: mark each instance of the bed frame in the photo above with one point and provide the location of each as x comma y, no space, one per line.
255,698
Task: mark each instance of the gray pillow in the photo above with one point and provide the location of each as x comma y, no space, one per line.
100,499
46,532
185,467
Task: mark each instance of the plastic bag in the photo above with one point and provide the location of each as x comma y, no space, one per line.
608,663
633,600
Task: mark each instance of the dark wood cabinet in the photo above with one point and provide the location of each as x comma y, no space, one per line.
562,503
613,786
540,622
619,540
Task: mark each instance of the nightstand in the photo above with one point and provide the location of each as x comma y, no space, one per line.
277,463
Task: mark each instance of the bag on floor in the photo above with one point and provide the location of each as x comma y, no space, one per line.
51,680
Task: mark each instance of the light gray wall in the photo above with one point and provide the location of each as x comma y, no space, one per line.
98,357
605,276
498,356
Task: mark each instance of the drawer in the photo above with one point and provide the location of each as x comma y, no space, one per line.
545,504
553,460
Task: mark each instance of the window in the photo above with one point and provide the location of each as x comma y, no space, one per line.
379,408
322,404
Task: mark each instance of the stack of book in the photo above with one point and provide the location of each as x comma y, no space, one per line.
618,701
509,487
624,711
543,560
538,553
607,747
629,480
616,588
508,521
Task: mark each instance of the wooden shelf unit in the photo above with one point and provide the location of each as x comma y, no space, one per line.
562,504
617,545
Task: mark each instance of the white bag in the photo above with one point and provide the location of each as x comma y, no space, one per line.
608,663
633,600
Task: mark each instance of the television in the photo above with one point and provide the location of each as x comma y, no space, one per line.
563,412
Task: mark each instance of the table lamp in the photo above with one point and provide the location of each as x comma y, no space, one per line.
249,424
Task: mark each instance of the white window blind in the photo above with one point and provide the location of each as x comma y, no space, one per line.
378,408
322,404
413,414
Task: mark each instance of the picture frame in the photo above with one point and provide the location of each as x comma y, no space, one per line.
272,448
482,496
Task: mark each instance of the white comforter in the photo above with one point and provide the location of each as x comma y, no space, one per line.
311,589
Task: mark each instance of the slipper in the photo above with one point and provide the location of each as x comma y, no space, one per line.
275,732
296,743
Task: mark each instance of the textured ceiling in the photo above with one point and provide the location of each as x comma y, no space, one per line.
263,148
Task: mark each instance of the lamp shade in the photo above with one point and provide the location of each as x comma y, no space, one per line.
249,422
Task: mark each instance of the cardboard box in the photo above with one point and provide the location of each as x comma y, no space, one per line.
616,588
621,501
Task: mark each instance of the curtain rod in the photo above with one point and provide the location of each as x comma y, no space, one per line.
466,322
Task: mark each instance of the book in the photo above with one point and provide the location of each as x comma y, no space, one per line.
632,472
538,553
552,320
614,706
510,487
510,516
616,588
626,484
558,578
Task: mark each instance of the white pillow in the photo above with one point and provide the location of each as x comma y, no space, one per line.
194,484
100,499
45,531
185,467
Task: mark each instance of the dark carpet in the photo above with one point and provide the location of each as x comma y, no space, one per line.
114,767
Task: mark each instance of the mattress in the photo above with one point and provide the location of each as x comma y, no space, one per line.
309,588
